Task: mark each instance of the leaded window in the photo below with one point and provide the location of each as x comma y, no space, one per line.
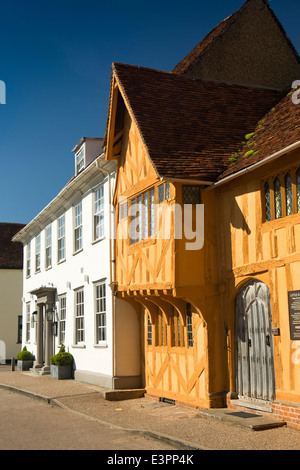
277,198
267,201
149,331
191,194
298,189
189,322
288,194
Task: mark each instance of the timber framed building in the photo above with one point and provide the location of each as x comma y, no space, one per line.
220,317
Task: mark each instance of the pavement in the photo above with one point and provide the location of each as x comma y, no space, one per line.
182,427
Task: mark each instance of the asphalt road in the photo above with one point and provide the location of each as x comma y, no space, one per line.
30,424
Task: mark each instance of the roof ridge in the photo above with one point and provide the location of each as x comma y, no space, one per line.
185,64
189,78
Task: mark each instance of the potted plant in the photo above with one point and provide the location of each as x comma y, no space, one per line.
61,364
24,359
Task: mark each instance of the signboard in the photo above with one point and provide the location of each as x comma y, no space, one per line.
294,312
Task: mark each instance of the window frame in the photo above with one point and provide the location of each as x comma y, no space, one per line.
78,228
38,253
79,337
100,309
288,195
27,322
98,214
61,238
62,305
28,259
48,247
80,164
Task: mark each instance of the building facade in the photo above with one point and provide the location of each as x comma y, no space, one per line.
68,297
11,285
218,299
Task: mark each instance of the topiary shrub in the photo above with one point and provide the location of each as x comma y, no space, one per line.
62,358
24,355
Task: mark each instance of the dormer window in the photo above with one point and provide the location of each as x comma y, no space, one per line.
80,160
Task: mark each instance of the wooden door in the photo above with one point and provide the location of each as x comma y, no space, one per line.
255,376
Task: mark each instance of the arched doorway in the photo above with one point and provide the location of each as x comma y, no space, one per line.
255,376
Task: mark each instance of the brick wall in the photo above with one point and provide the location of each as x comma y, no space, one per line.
289,412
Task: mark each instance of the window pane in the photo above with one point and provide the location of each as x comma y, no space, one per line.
38,253
298,190
167,190
160,193
79,316
277,196
139,219
100,293
267,201
149,332
191,194
132,221
152,213
288,194
145,217
189,321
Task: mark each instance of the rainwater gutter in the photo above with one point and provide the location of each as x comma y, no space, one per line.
272,157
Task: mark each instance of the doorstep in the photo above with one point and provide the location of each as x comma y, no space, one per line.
242,418
116,395
259,405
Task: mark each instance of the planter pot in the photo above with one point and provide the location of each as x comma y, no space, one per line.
61,372
24,365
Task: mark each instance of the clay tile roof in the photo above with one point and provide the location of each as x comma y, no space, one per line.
279,129
185,63
217,32
11,253
190,127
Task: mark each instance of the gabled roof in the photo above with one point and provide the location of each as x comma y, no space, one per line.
190,127
11,254
184,65
279,129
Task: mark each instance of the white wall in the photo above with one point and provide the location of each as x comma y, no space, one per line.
10,308
93,261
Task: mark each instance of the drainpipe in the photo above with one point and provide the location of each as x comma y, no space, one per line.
111,263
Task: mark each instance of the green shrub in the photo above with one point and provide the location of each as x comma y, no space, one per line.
62,358
24,355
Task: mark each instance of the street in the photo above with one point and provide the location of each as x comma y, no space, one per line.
30,424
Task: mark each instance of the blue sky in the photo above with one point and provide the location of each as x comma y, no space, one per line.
55,59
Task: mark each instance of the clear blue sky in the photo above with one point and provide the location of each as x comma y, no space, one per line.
55,58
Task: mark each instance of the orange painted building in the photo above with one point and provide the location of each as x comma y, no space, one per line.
211,292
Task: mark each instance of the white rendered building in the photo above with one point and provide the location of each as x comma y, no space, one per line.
68,293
